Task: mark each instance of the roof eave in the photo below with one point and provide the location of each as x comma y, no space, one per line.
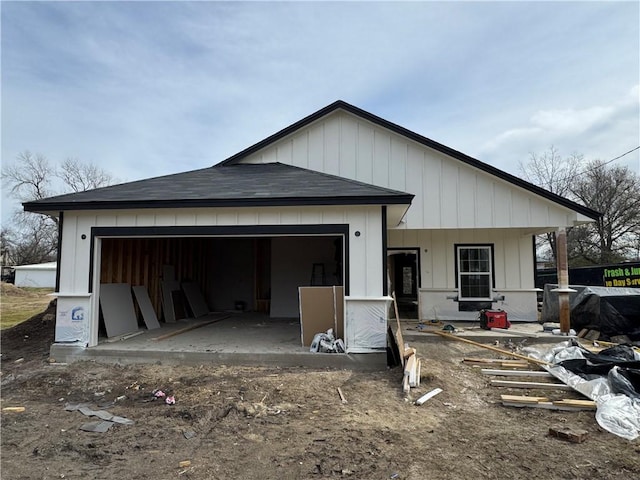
50,207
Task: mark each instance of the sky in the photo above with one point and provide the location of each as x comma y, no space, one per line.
144,89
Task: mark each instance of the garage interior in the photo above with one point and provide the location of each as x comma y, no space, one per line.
250,285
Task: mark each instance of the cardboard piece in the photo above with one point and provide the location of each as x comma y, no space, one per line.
144,302
117,309
195,299
316,312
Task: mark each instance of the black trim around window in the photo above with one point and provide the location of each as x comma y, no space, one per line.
472,245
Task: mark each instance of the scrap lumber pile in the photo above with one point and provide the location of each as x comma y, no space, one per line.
408,356
548,382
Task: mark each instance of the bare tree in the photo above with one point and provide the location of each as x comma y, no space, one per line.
556,174
30,177
80,177
33,237
613,191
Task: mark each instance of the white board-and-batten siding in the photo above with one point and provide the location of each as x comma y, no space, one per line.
365,275
449,194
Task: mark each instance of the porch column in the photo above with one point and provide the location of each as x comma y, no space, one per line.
563,281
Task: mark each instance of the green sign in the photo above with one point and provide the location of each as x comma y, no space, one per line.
622,277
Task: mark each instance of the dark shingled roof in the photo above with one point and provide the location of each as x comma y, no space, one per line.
270,184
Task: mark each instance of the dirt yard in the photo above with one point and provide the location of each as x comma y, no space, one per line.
269,423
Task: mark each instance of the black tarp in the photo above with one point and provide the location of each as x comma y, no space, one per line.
610,310
617,363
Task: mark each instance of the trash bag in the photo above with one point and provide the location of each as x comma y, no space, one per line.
622,381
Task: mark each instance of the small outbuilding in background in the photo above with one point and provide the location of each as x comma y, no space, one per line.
41,275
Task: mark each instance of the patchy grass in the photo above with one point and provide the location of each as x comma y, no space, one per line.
19,304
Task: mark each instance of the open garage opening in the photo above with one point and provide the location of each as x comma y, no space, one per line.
254,277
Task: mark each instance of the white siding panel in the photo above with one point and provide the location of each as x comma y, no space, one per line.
186,218
519,210
348,147
331,216
364,165
285,152
426,258
449,195
146,220
398,167
501,206
527,279
413,183
289,216
206,218
300,150
430,193
265,217
332,146
166,219
316,148
381,155
249,217
125,220
467,198
438,249
270,155
106,220
511,266
484,201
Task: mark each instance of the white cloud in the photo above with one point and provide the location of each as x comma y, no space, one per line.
596,131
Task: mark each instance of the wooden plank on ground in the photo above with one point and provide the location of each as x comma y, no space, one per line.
410,370
523,399
189,328
575,403
543,402
488,347
533,385
428,395
515,373
492,361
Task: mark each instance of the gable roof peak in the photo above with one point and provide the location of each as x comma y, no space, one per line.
427,142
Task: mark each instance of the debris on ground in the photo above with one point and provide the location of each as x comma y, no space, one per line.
327,343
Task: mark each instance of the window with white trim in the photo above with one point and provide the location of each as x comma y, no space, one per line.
475,271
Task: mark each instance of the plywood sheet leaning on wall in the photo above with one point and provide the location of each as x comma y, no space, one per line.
195,299
144,302
168,287
316,312
117,309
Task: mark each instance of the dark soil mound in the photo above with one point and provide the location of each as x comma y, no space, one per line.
30,339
